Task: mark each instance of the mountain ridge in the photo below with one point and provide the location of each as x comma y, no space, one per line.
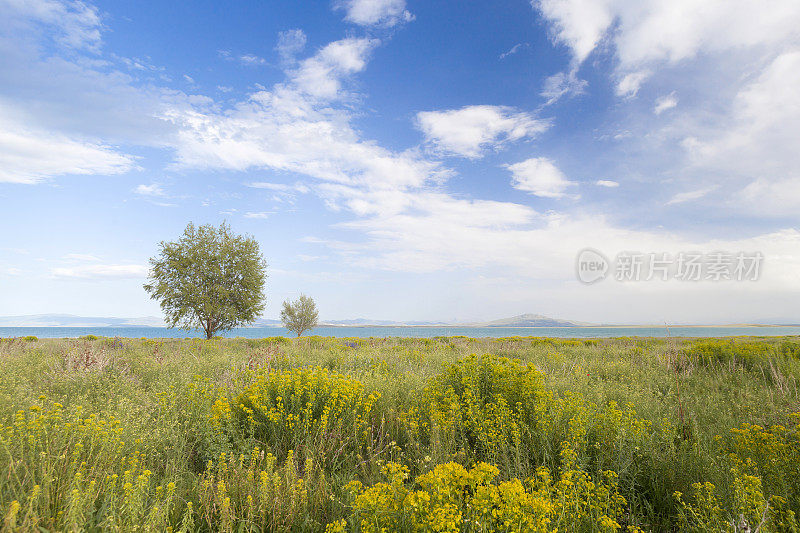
68,320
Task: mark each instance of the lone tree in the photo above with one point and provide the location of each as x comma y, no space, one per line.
300,315
209,278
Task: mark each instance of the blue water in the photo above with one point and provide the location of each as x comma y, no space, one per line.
410,331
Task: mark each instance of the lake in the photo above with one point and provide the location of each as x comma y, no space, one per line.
412,331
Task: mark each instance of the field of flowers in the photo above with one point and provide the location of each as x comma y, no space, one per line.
443,434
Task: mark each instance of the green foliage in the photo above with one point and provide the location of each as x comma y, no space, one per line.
209,278
401,434
300,315
89,337
30,338
747,354
309,408
452,498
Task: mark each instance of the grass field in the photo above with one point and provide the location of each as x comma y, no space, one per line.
446,434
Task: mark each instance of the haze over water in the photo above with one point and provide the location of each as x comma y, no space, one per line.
412,331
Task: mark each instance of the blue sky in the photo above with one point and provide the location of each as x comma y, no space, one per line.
404,160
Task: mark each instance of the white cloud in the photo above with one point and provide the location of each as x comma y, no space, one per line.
29,155
385,13
271,186
77,24
540,177
689,196
648,32
607,183
258,214
442,233
252,59
154,189
664,103
290,43
100,272
759,136
563,84
630,83
471,130
56,88
322,74
513,50
770,197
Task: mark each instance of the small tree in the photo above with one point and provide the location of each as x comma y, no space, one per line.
300,315
209,278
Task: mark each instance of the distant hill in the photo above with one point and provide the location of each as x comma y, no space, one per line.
529,320
63,320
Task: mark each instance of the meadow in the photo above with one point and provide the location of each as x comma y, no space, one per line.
441,434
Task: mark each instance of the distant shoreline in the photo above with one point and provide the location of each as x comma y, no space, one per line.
465,326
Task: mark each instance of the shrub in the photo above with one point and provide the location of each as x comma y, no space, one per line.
484,404
311,408
772,454
30,338
736,353
452,498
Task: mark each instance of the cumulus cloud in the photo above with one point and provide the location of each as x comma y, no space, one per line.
471,130
385,13
539,176
322,74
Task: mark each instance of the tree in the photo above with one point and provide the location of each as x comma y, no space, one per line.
209,278
300,315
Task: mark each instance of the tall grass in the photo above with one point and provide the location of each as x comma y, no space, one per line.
522,434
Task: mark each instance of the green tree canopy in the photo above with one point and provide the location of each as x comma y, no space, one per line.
209,278
300,315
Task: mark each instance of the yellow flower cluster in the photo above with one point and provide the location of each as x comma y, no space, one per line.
451,498
499,410
764,484
284,408
255,491
66,463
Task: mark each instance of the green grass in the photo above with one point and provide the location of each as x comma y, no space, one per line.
175,420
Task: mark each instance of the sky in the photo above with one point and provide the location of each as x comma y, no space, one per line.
405,160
